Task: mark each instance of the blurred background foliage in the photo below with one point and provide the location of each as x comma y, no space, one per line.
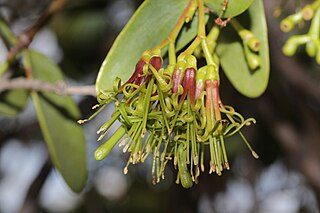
285,179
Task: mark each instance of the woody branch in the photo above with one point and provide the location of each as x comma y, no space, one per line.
60,88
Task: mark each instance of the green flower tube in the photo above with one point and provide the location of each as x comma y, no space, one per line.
184,175
103,150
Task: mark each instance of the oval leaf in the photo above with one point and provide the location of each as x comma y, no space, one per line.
57,116
249,83
233,8
150,24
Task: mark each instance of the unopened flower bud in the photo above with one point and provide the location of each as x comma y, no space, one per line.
137,72
253,61
307,13
288,23
156,62
177,76
311,48
189,83
290,47
254,44
185,177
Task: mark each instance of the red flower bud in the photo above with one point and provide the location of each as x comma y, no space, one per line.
191,78
156,62
177,80
136,75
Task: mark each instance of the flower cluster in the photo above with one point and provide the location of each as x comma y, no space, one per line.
174,112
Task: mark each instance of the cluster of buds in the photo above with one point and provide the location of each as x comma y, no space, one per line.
251,45
311,12
173,113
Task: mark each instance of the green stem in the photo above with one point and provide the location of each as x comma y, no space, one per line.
201,34
162,105
147,105
207,52
187,13
212,37
315,5
202,23
172,53
315,26
189,51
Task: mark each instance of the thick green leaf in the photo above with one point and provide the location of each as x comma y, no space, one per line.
250,83
234,7
12,102
150,24
57,116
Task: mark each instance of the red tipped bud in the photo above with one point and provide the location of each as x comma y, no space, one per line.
190,76
177,76
156,62
177,80
136,74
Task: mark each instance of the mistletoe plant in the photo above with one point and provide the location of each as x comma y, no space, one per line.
169,106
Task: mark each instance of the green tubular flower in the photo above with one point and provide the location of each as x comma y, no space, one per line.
183,174
103,150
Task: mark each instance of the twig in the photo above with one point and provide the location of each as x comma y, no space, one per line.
26,37
59,88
